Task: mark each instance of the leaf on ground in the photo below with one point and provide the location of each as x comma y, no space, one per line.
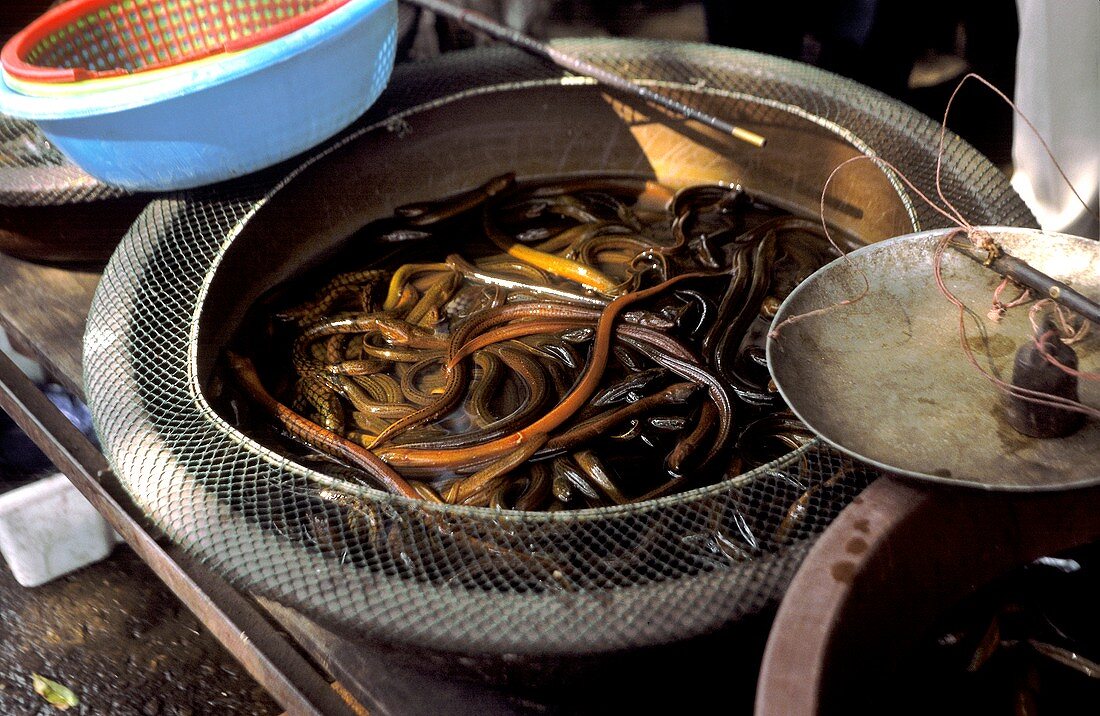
57,694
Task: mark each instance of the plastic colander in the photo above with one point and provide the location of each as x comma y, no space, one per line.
93,39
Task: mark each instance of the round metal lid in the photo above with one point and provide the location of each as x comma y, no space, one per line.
886,380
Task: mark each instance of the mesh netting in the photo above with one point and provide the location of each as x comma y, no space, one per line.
463,579
34,173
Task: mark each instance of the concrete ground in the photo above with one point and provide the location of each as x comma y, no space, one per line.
122,642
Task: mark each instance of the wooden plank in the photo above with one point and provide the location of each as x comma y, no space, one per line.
372,676
44,309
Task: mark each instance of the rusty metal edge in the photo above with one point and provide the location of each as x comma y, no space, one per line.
894,540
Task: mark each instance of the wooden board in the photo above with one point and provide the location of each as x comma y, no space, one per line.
44,310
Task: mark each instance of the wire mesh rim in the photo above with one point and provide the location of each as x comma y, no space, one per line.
47,178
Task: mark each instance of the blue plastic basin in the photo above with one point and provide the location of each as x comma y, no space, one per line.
230,118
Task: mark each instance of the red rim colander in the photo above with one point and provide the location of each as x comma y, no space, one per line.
90,39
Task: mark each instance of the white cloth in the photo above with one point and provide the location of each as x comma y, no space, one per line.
1058,89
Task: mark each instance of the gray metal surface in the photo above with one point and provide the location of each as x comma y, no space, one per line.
886,379
639,575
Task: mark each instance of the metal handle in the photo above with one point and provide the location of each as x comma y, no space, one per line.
494,29
1027,275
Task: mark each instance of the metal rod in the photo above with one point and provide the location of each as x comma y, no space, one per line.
1030,277
572,63
230,617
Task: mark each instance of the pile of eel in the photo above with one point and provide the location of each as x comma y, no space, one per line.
551,345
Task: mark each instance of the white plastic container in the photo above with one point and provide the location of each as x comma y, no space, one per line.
48,529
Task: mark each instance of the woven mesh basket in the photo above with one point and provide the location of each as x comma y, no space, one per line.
473,580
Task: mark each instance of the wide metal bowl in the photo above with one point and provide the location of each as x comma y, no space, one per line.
640,575
886,380
887,570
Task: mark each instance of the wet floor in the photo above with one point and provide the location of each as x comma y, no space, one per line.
113,634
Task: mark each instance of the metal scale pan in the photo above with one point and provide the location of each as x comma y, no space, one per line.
886,380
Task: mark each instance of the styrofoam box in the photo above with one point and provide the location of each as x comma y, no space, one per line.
48,529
